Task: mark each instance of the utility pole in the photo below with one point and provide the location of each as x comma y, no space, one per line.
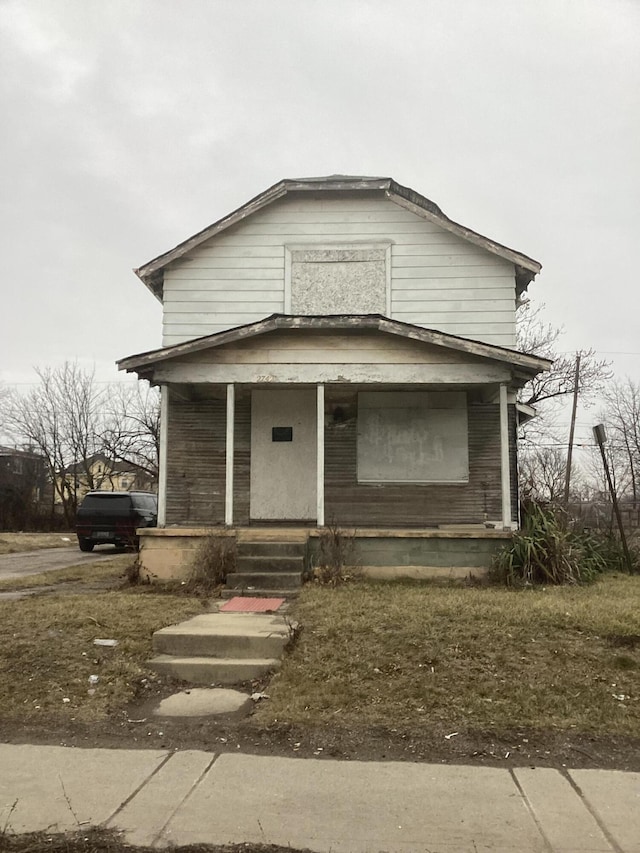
572,429
601,436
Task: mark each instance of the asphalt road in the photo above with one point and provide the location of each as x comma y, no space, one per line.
33,562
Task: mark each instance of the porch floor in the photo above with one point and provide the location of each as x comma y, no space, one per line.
300,533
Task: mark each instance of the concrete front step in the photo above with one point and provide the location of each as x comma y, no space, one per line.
259,593
271,549
261,563
233,635
204,644
211,670
264,580
221,648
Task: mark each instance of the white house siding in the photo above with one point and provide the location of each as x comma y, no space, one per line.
438,280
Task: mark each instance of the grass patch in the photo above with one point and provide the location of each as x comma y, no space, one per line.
85,573
100,840
409,656
47,652
14,543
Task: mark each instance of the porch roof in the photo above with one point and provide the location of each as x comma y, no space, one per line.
529,365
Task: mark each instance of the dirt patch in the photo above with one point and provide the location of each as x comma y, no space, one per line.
136,728
624,641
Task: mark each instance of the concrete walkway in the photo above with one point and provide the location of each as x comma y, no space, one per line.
159,797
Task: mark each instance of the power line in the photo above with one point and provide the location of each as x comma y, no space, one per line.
530,443
596,352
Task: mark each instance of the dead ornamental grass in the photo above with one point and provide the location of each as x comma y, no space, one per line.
47,652
14,543
407,656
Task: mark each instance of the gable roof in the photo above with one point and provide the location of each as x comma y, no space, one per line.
143,363
16,453
112,466
152,273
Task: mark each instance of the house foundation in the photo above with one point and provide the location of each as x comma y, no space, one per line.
166,554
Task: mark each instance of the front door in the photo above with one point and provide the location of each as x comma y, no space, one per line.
283,455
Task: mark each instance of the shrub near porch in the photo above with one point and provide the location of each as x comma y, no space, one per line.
409,657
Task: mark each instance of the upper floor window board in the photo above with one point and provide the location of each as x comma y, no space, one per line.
338,280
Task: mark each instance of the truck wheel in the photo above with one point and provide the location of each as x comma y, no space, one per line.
86,544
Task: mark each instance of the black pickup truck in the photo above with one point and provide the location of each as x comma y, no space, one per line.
114,517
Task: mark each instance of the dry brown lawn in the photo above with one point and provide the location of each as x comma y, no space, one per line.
403,655
399,656
47,652
14,543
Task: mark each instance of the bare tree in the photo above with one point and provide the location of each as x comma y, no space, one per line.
537,337
542,474
60,418
4,401
131,430
621,417
543,440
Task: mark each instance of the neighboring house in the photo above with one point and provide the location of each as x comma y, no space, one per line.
24,488
338,349
98,472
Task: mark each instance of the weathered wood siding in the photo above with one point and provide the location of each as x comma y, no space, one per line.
407,505
196,470
438,280
196,461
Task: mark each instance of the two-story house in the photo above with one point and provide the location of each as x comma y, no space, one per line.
338,349
99,473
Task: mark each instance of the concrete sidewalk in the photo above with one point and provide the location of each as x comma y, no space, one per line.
159,797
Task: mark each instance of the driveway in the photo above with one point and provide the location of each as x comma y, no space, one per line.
33,562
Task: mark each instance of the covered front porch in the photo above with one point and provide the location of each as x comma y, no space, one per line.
355,421
363,455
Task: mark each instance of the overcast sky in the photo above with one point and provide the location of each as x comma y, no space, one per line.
128,125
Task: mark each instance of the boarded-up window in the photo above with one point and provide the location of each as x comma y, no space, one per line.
413,437
339,281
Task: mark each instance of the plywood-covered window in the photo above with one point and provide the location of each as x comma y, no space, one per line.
413,437
338,280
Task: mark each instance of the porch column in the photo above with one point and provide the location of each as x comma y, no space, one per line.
504,459
320,455
228,480
162,456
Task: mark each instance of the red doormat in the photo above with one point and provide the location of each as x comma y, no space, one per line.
241,604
